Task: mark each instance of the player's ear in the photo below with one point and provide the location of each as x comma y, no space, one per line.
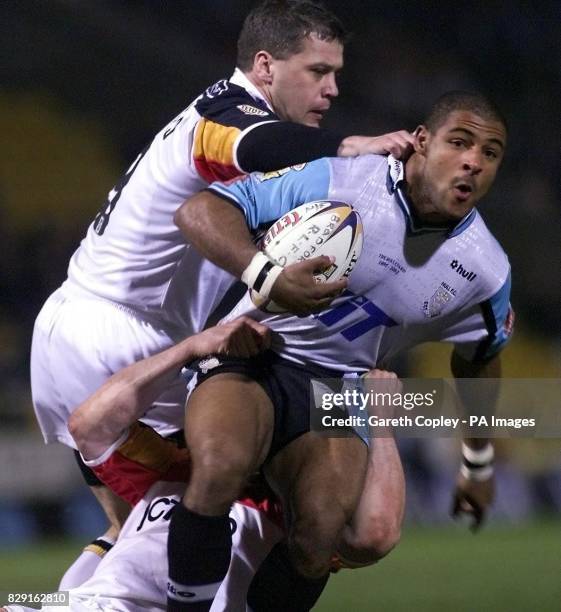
262,67
421,135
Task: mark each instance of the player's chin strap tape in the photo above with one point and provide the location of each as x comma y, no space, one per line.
477,464
261,274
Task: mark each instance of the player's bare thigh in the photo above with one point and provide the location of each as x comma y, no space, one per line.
228,425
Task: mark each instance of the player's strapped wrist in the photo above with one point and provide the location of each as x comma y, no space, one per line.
477,464
261,274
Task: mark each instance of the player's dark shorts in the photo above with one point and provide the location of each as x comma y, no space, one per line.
286,383
89,475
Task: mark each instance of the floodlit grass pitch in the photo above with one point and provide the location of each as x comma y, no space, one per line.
502,569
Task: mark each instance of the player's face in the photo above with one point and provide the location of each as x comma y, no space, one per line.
460,162
303,85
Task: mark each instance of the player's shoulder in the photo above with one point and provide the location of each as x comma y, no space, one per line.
361,181
482,251
488,243
366,167
369,162
225,97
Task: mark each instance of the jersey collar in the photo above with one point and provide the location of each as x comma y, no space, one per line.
396,185
239,78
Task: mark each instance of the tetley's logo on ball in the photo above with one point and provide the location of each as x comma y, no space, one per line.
289,220
459,269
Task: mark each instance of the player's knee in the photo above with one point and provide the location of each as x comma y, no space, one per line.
218,477
307,557
223,463
312,539
215,479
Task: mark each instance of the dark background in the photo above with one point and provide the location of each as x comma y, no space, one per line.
115,71
85,85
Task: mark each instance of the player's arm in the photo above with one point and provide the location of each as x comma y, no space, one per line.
219,222
475,485
230,245
479,336
399,144
237,135
98,422
279,144
218,230
375,527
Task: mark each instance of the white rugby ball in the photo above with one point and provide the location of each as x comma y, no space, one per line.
322,227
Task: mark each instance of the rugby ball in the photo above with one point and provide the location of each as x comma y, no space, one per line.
322,227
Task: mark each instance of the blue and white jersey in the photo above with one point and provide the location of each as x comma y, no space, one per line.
411,284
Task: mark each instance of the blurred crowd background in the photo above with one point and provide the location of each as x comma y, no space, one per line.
84,86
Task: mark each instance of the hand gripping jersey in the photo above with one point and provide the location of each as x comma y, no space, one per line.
411,284
133,253
150,473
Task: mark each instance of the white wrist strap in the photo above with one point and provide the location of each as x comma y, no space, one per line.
270,281
478,474
481,456
257,263
261,274
477,463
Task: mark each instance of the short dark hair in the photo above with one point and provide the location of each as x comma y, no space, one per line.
452,101
280,26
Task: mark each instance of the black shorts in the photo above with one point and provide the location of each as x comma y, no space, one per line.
89,475
287,384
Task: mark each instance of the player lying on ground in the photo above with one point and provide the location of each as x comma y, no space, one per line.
150,473
449,281
133,278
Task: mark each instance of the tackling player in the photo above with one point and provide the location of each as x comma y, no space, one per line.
449,281
150,473
134,286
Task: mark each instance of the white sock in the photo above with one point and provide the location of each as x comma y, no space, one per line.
85,565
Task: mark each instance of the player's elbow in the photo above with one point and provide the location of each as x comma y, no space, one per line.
77,428
383,540
377,540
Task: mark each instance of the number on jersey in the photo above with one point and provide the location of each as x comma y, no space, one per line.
102,218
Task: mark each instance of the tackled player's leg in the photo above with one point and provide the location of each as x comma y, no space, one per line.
228,427
319,480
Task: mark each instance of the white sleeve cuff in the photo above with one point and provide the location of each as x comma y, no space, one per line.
108,452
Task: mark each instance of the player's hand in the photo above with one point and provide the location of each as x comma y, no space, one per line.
297,291
242,337
391,379
473,498
399,144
